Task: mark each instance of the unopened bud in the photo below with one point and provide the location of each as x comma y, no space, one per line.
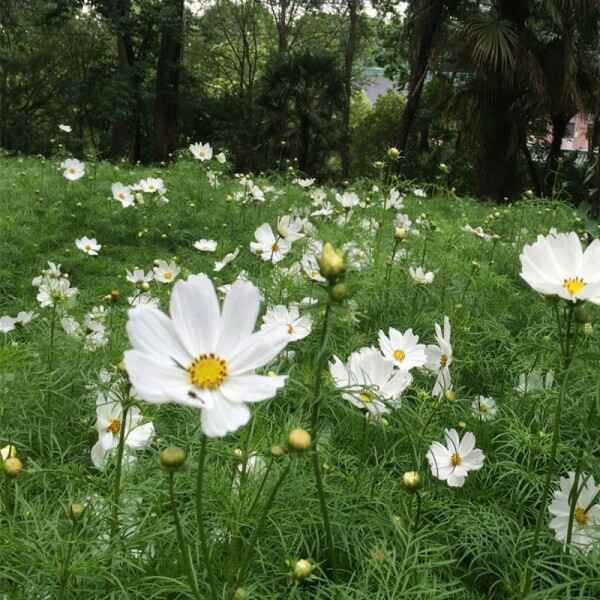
76,511
13,466
172,458
238,454
302,568
277,451
450,395
581,315
331,262
393,153
400,234
339,292
411,480
145,286
241,594
115,295
588,329
299,439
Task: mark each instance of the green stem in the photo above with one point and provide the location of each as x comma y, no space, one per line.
261,487
119,470
52,332
183,547
574,495
418,511
260,526
65,571
200,516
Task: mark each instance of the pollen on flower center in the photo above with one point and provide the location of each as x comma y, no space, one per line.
455,459
87,247
274,247
168,275
581,516
365,397
290,329
208,371
443,360
574,285
115,426
399,355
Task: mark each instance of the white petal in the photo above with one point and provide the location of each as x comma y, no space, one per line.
223,417
257,350
251,388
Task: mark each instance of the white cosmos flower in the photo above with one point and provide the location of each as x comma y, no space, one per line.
109,421
290,228
7,324
203,356
439,358
165,272
121,193
25,317
71,326
304,183
89,246
143,300
65,128
451,463
557,265
269,247
137,276
395,200
535,381
477,231
288,318
419,275
201,151
205,245
221,158
484,408
586,521
403,349
221,264
73,169
55,291
403,220
348,199
419,193
152,185
369,381
310,267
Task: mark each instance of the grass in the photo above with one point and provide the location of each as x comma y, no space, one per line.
472,543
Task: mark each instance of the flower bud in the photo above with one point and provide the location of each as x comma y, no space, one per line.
115,295
241,594
393,153
411,480
339,292
145,286
450,395
238,454
331,262
76,511
400,234
581,315
8,452
588,329
302,568
13,466
299,439
172,458
277,451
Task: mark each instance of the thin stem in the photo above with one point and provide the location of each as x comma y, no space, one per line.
183,547
65,571
200,516
114,529
260,526
261,487
418,511
574,496
52,331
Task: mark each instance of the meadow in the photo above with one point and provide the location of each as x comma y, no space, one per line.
351,504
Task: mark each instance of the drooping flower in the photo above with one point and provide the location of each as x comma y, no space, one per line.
202,356
477,231
165,272
484,408
138,277
228,258
221,158
270,248
586,516
202,152
143,300
556,265
348,200
25,317
451,463
205,245
73,169
439,358
369,381
535,381
304,183
288,318
419,275
89,246
122,193
395,200
402,349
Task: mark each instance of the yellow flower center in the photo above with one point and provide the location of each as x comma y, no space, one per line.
365,397
168,275
443,360
72,171
87,247
574,285
290,329
121,195
455,459
115,426
581,516
399,355
274,247
483,407
208,371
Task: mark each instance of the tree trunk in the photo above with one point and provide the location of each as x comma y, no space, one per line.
121,125
432,13
351,47
559,128
167,80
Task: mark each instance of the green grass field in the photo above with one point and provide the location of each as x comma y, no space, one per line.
469,543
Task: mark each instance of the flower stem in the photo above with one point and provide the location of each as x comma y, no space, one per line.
200,516
52,332
183,547
66,566
114,528
418,511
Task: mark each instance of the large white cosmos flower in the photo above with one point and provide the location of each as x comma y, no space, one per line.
403,349
451,463
204,357
269,247
556,265
73,169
